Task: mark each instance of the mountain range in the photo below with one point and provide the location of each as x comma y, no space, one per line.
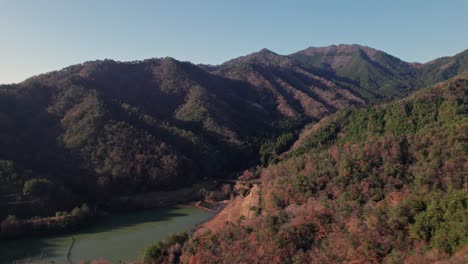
104,129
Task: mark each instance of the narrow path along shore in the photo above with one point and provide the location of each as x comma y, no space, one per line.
214,211
70,249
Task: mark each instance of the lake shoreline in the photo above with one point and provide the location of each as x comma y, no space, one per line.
37,227
111,231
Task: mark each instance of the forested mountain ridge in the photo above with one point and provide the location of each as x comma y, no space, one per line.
299,90
370,69
444,68
104,128
376,71
382,184
123,128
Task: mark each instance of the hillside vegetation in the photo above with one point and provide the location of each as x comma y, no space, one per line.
95,132
384,184
108,129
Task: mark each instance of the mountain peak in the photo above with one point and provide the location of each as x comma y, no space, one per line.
341,48
265,51
263,57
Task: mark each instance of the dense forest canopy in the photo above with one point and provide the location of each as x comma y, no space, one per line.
385,184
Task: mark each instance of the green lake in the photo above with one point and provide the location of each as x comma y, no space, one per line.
119,238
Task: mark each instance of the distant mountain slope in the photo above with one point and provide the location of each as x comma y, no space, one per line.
297,90
371,69
444,68
379,72
383,184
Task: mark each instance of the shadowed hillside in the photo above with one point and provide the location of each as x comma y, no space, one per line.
123,128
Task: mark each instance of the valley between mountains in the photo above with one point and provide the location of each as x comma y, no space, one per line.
338,154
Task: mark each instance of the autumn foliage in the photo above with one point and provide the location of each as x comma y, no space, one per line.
373,188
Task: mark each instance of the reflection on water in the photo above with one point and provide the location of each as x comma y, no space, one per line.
118,238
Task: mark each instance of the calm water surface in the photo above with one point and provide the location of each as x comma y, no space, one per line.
118,238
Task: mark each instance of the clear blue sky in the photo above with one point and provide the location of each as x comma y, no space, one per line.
39,36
